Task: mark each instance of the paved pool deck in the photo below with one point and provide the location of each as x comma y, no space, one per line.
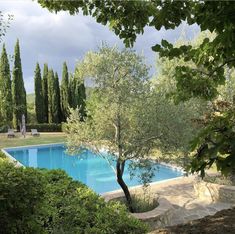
180,193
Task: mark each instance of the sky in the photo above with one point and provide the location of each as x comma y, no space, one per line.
51,38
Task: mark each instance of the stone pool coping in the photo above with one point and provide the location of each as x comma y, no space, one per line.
117,193
27,146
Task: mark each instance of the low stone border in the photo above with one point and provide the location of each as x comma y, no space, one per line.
214,192
158,217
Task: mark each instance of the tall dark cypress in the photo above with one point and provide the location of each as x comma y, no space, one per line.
64,93
18,89
6,110
51,83
81,94
38,95
57,107
72,88
45,92
54,97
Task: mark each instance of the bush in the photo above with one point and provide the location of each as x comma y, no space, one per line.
2,155
3,128
45,127
42,201
22,194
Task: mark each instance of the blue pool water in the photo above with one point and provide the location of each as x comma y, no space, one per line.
92,170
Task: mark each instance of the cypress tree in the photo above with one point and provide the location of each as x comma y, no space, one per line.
70,93
6,110
57,107
38,94
54,97
18,89
64,92
81,97
51,82
45,92
78,91
72,88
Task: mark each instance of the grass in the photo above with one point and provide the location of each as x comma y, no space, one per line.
44,138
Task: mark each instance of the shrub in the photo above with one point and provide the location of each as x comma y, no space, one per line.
3,158
22,194
3,128
45,127
2,155
42,201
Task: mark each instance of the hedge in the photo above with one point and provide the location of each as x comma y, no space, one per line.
48,201
45,127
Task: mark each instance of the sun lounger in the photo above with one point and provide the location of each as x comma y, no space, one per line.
34,132
10,133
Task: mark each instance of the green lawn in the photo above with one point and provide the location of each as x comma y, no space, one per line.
44,138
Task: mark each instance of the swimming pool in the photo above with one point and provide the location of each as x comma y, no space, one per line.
92,170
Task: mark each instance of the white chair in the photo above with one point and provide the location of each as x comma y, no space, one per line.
34,132
10,133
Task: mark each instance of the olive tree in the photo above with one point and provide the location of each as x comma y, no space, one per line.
125,116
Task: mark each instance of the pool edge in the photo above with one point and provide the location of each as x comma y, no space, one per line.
11,158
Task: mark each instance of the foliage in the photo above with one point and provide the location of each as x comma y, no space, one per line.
5,88
41,201
53,98
142,202
126,115
57,115
45,127
64,93
209,58
4,24
110,107
31,115
3,127
215,144
22,193
18,89
45,92
39,107
78,90
2,155
54,109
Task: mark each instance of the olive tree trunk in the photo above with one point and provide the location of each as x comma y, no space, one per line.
120,169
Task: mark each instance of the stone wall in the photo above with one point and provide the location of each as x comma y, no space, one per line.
215,192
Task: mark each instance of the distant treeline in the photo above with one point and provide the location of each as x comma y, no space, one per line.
52,99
